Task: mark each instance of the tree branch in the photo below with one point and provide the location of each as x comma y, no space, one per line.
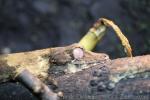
123,78
99,77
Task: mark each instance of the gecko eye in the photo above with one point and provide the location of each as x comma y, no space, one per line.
78,53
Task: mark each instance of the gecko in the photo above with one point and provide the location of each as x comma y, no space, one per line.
54,62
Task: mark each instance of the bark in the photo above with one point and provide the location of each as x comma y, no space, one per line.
122,78
130,75
39,62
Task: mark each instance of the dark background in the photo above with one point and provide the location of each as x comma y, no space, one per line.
35,24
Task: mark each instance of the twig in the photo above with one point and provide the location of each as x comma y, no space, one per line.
37,87
98,30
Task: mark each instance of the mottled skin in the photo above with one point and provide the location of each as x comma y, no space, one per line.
64,60
54,62
113,71
42,62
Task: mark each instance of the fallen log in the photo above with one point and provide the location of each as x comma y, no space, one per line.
39,62
82,74
123,78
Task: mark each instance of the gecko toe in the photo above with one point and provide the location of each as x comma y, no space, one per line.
101,79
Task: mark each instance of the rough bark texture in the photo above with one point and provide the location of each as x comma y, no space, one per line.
39,62
98,77
129,75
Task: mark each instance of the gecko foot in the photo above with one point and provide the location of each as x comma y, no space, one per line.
101,80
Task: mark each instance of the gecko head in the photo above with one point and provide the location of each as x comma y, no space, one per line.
73,58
